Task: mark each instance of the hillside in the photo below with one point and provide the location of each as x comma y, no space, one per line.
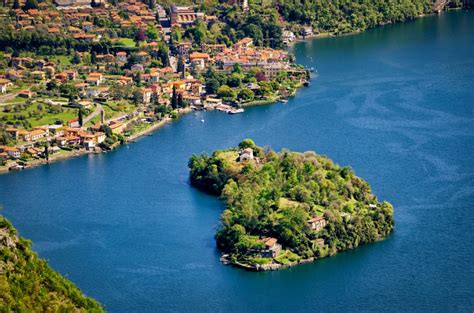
28,284
285,208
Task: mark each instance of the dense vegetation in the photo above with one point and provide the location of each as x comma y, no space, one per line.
28,284
276,194
342,16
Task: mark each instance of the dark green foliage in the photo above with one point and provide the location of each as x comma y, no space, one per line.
208,173
28,284
342,16
277,195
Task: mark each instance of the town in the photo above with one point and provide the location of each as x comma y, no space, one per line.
105,73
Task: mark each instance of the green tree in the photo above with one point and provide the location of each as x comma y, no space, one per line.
76,59
226,93
174,98
30,4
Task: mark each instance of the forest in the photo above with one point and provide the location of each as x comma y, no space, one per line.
28,284
274,195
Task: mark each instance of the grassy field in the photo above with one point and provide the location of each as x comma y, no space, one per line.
117,108
126,42
38,116
64,60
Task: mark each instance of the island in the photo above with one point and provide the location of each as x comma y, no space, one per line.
286,208
28,284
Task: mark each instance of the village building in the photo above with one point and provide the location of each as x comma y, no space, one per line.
199,59
121,57
272,247
12,152
184,16
4,83
317,223
246,155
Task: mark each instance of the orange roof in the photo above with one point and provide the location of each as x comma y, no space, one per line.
198,55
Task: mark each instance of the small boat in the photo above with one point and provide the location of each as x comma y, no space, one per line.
284,100
202,121
236,111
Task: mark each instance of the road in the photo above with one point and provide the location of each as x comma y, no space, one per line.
96,112
7,97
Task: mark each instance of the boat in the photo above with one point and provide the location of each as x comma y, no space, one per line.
283,100
202,121
237,111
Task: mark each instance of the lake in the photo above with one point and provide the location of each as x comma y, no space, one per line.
395,103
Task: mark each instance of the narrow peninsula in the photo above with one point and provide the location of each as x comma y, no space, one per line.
28,284
287,208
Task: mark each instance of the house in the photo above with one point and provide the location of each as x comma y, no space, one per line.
272,247
12,131
193,100
117,127
246,155
199,59
213,102
4,83
74,123
84,104
213,48
38,75
288,36
56,130
143,57
121,57
34,152
125,80
271,70
183,48
146,94
246,42
26,94
12,152
71,74
37,134
137,68
99,137
184,15
89,144
95,79
54,150
317,223
307,31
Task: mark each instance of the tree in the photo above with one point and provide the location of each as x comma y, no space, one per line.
235,80
76,59
80,116
247,143
226,93
151,33
180,66
30,4
237,68
16,4
174,98
93,57
181,102
212,85
140,36
137,97
246,94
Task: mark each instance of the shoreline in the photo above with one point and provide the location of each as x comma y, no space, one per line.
356,32
167,120
81,152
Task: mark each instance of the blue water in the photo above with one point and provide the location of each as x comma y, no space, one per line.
395,103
